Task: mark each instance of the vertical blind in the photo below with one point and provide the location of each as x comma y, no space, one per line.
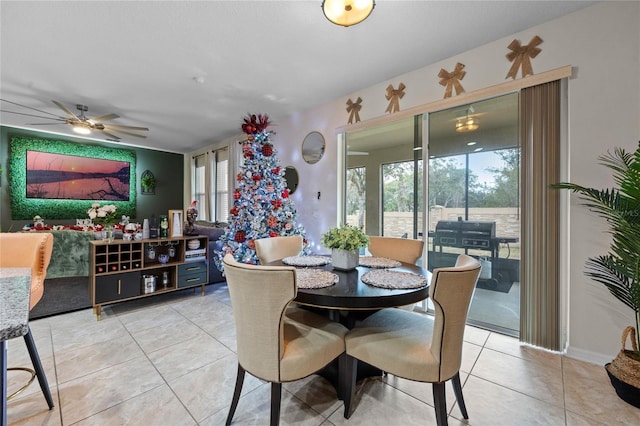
540,287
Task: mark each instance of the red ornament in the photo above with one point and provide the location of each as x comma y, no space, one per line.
234,211
267,150
248,155
272,222
276,204
240,237
285,193
276,171
273,234
256,178
236,194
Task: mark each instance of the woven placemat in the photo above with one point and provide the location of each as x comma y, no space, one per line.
315,278
306,260
378,262
393,279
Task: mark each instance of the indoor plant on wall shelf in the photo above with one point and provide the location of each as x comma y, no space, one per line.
619,269
148,182
345,242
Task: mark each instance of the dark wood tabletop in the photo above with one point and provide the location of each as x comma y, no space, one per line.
350,293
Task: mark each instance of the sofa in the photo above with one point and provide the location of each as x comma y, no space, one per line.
213,230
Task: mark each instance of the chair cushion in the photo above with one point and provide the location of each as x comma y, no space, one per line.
311,342
382,336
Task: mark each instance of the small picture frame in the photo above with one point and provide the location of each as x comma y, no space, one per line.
176,220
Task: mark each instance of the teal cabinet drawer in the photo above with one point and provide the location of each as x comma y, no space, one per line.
191,274
192,268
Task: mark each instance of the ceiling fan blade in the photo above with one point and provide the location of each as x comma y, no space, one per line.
42,124
33,115
104,118
110,136
130,134
28,107
65,109
119,127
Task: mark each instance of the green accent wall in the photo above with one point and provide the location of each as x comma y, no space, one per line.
167,167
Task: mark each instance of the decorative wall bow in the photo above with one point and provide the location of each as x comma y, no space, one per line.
353,108
394,96
521,56
452,79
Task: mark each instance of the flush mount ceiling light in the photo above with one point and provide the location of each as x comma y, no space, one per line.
347,12
467,123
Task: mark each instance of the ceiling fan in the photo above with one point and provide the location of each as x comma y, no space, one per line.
81,123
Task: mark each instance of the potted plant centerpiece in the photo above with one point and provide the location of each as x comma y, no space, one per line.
345,243
619,269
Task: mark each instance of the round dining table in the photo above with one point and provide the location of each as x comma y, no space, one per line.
350,298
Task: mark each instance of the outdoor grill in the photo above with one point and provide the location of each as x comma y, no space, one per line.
465,234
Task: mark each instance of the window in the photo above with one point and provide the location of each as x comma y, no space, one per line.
356,196
221,196
210,180
199,191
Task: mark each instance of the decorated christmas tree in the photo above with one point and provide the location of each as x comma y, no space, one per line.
261,207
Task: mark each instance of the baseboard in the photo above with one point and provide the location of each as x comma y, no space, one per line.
588,356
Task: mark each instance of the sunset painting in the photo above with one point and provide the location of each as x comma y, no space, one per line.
59,176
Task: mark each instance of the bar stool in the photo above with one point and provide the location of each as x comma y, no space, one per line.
15,289
22,255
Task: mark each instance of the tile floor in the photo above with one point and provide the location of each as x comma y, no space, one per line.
169,360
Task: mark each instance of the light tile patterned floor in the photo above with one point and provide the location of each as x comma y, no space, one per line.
170,360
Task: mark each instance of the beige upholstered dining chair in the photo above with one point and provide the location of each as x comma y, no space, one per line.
400,249
416,346
276,248
30,250
274,346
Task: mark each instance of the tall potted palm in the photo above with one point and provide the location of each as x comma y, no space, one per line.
619,269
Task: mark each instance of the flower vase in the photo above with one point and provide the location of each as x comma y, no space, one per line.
107,233
344,260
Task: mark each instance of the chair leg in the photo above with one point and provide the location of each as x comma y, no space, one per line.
236,394
37,365
457,389
347,381
276,394
3,365
440,404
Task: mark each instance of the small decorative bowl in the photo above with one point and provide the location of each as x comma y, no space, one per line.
193,244
163,258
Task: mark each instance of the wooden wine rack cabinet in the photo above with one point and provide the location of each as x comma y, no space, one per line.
117,268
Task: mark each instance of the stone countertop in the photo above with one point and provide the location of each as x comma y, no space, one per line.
15,290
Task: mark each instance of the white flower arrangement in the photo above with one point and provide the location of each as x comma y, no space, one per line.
105,215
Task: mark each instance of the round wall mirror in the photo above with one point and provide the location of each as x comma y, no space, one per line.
291,176
313,147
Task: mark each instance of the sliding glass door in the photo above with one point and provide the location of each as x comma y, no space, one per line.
473,203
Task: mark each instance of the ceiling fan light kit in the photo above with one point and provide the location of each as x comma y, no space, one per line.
347,12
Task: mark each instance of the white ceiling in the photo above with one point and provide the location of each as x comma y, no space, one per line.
190,70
